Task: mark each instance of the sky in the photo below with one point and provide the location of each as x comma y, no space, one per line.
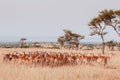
44,20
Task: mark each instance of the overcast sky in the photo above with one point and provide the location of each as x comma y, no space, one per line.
44,20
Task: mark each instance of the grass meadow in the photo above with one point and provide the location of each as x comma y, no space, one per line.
11,71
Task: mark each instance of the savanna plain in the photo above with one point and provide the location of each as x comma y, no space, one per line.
14,71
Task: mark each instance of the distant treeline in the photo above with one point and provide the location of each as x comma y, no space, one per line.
16,44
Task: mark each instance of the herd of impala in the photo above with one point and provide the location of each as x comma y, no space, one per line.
54,59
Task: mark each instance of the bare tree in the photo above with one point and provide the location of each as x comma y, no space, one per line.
97,26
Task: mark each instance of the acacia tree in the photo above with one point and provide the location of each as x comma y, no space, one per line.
97,26
111,18
61,41
70,38
22,42
75,39
111,44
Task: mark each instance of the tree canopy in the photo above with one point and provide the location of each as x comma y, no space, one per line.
70,38
111,18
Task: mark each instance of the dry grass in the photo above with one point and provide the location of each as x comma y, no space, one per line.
11,72
80,72
115,61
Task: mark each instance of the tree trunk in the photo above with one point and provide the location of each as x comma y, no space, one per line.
61,45
103,44
118,45
77,45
